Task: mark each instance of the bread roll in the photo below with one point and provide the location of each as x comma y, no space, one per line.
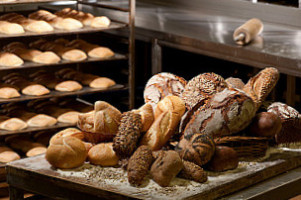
66,152
11,124
139,164
10,28
100,22
172,104
68,86
36,151
193,172
68,132
47,57
235,83
8,92
225,158
167,165
147,116
103,154
70,117
102,82
35,90
41,120
265,124
10,60
161,130
8,155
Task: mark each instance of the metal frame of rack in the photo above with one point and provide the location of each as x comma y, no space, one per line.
114,25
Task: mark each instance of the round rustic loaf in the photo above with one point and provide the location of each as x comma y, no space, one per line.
66,152
162,85
265,124
224,158
291,123
201,87
227,112
197,148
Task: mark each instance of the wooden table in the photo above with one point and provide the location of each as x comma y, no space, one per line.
90,182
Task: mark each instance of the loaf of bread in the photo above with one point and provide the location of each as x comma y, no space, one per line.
56,21
86,18
66,53
139,165
10,28
260,86
37,26
161,130
265,124
8,155
224,158
235,83
166,167
8,91
170,103
201,87
147,116
68,132
93,51
32,55
10,60
291,123
11,124
66,153
225,113
126,140
193,172
162,85
197,148
91,80
103,154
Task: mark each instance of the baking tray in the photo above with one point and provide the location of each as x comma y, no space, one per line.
85,90
57,32
117,56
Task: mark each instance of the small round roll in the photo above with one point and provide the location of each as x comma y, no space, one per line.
103,155
66,152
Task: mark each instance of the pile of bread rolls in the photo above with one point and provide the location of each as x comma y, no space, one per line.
41,113
173,133
50,52
43,21
42,82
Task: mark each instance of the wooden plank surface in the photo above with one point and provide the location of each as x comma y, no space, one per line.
36,175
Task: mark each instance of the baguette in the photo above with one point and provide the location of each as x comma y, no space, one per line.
10,60
66,53
37,26
56,21
10,28
86,18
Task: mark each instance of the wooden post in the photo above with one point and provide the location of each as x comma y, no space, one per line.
291,90
15,193
156,57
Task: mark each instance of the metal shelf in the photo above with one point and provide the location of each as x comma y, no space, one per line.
85,90
35,129
18,2
57,32
117,56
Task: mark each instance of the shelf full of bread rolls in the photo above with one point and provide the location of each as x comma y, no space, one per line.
64,22
41,114
43,52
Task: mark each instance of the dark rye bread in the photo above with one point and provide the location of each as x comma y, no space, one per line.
128,134
197,148
260,86
291,123
201,87
227,112
162,85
